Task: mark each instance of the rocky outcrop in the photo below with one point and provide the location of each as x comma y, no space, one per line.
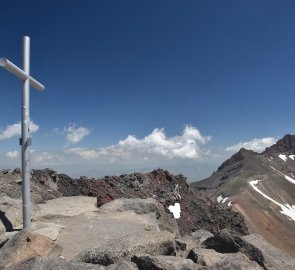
126,234
197,210
124,223
285,145
243,154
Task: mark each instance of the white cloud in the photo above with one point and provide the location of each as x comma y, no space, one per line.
15,130
257,145
76,134
156,144
12,154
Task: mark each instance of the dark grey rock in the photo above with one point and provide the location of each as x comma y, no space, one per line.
214,260
146,262
226,242
16,171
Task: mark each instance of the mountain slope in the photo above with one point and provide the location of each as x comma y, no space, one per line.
262,188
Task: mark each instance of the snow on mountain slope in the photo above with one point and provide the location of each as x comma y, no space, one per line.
288,210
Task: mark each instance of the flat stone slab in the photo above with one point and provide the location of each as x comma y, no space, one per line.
66,207
91,230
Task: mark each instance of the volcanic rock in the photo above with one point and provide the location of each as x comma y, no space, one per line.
197,211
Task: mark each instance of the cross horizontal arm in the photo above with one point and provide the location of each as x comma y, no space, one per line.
9,66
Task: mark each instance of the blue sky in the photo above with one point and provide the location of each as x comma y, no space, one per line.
188,81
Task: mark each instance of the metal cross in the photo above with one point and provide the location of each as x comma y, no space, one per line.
25,140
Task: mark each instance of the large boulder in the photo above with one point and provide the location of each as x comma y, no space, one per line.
116,250
147,262
142,207
274,258
217,261
25,245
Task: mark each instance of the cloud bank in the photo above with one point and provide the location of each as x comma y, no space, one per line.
257,145
188,145
46,158
15,130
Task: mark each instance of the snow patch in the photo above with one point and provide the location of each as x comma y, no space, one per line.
289,179
175,210
224,200
229,204
285,176
286,209
221,199
292,157
283,157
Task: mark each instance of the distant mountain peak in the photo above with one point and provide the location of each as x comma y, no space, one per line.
286,145
243,154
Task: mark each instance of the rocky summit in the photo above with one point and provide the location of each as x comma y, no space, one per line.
125,223
261,187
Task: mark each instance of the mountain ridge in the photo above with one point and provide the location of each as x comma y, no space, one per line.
261,186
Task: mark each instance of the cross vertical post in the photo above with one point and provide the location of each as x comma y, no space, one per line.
25,139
